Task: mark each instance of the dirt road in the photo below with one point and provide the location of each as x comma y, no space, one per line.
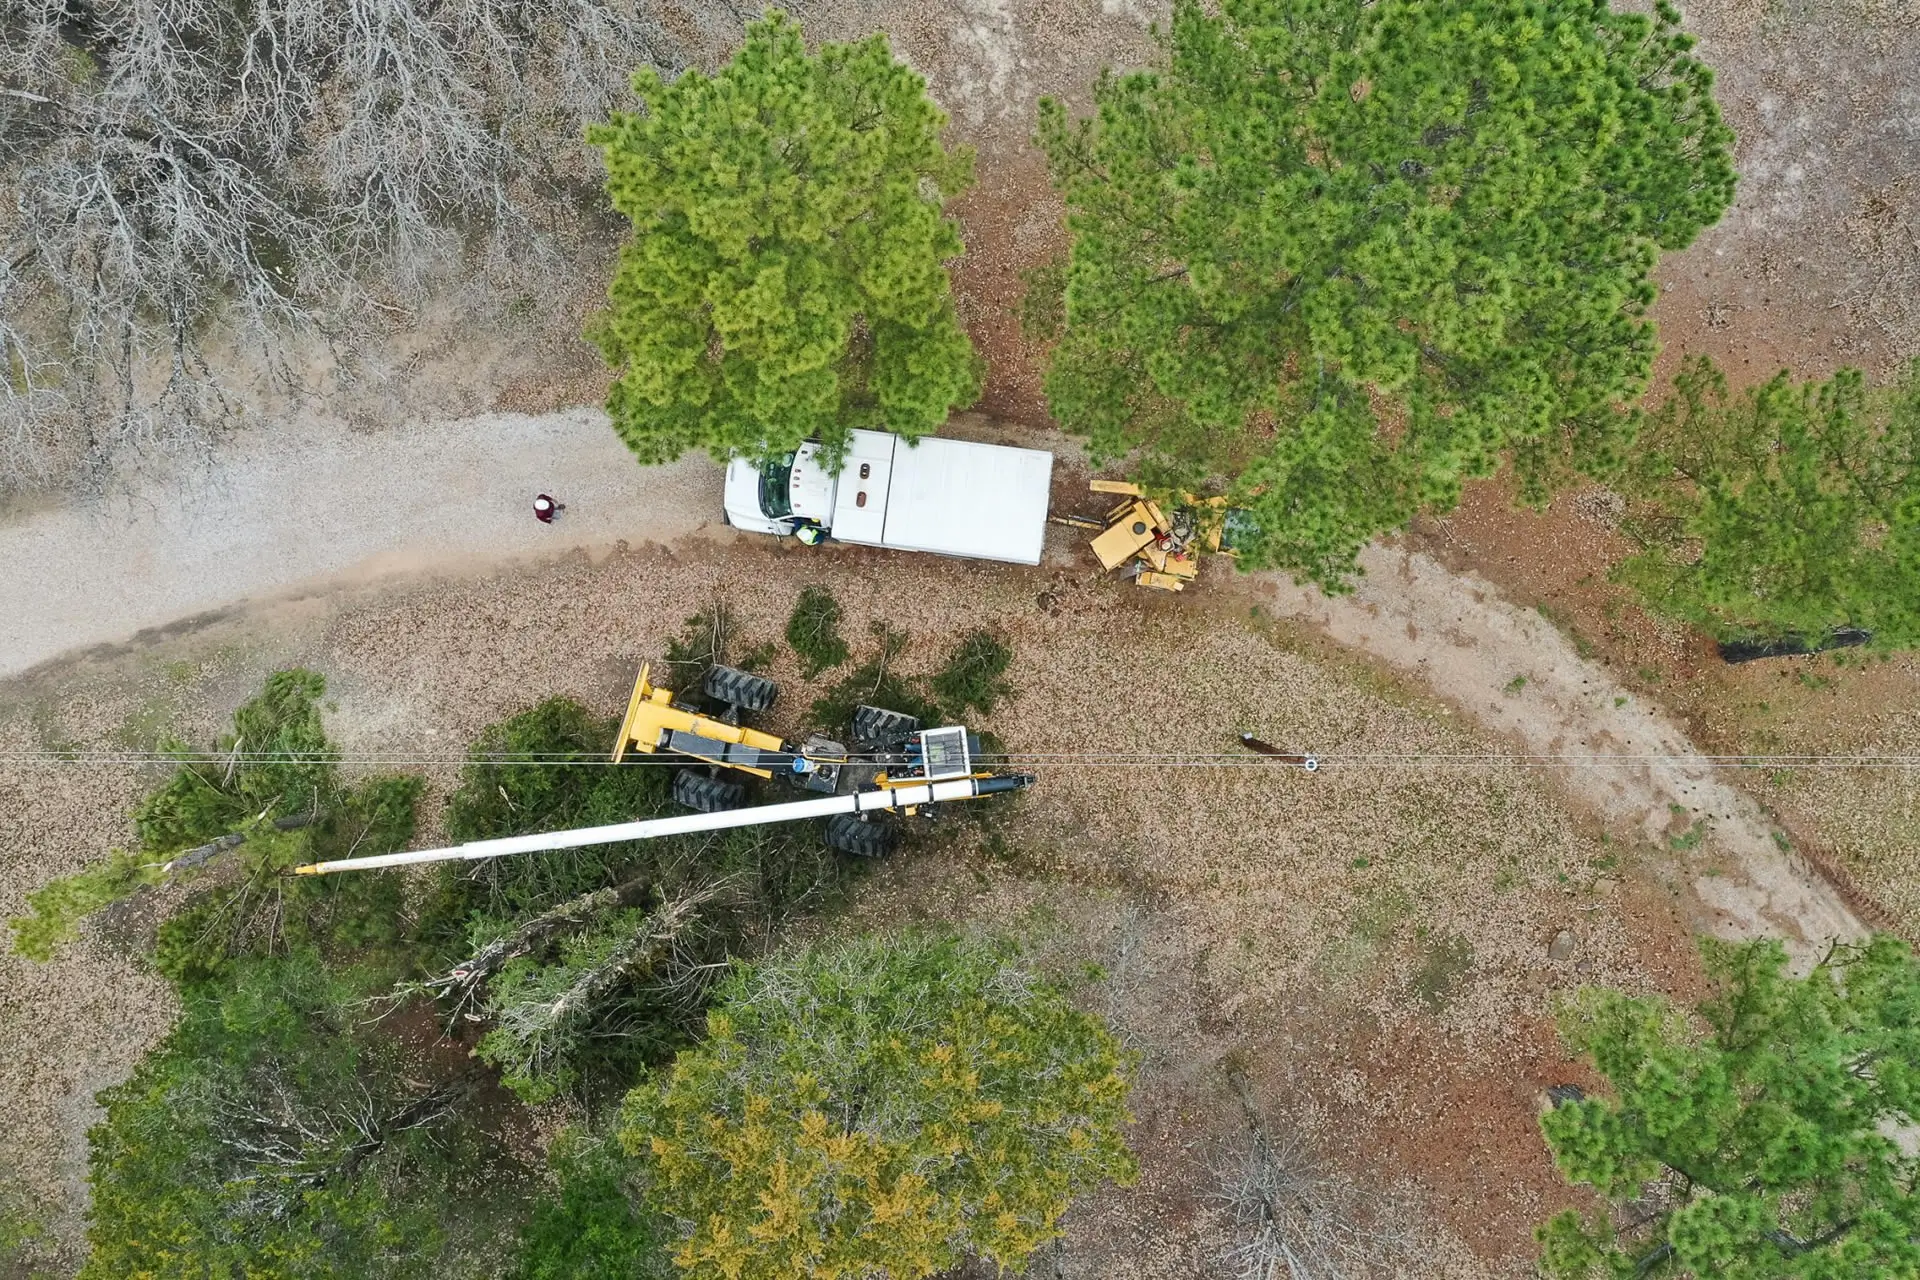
275,510
279,511
1515,674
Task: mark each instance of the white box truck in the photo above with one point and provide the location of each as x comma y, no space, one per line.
952,497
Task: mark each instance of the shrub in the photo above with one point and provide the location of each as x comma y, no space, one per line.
813,631
975,675
590,1226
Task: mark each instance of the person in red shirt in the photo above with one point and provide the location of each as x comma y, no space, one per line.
545,508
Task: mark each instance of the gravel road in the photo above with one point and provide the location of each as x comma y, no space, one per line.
278,509
1515,674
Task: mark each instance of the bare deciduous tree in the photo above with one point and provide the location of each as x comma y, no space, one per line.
1297,1221
188,175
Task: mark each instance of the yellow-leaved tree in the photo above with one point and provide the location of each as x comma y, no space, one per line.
880,1107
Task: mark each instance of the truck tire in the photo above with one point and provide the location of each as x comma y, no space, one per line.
739,688
873,725
848,833
704,793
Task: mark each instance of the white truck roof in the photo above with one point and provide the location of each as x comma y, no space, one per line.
952,497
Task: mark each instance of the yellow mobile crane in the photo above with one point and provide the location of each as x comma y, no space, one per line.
896,765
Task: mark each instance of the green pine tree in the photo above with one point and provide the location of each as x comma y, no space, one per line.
785,279
1758,1140
1790,509
1345,256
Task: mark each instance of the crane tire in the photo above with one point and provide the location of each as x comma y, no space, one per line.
704,793
878,725
739,688
847,833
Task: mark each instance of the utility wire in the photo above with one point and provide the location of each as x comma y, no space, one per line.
1034,759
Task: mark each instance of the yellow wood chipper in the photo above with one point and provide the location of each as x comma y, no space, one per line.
1159,547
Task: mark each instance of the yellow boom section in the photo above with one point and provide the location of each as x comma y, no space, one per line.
650,715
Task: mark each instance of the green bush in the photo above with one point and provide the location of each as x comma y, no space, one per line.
813,631
972,679
707,639
26,1247
975,675
876,681
590,1226
191,948
279,764
544,769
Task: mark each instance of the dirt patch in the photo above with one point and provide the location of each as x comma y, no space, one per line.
1515,674
1860,819
1818,262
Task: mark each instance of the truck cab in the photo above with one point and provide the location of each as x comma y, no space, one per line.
768,497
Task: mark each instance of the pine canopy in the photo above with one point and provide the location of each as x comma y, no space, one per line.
1768,1138
786,275
1345,256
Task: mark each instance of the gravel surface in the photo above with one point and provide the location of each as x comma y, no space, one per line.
1518,676
275,509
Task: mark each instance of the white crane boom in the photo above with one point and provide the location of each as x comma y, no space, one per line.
896,797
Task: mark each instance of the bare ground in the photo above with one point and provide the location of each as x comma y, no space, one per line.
1365,945
1342,1004
1517,675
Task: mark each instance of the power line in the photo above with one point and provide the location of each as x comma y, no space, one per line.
1014,759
